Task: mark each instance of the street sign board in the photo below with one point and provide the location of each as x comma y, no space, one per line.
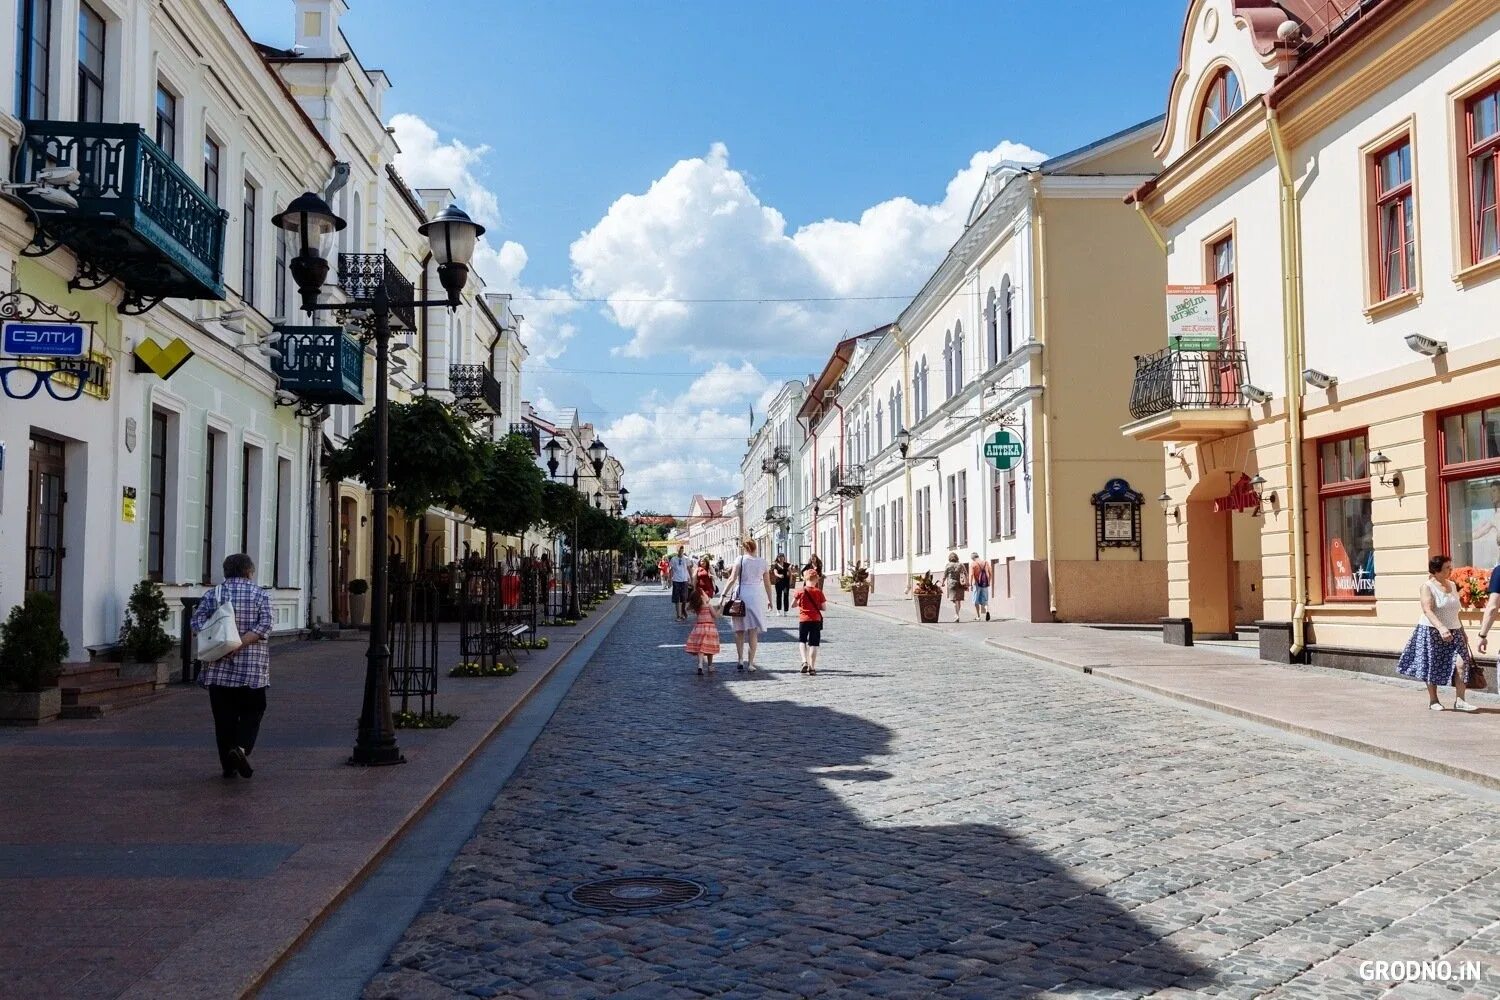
1192,317
43,340
1004,450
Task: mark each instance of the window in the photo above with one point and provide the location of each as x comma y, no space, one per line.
1007,318
250,503
958,358
963,508
281,306
33,57
898,528
991,329
916,542
1222,100
356,226
919,390
997,503
1010,503
1348,538
1395,219
247,250
156,491
1482,114
210,504
166,121
281,541
948,365
952,512
1470,471
1221,260
879,428
90,65
212,154
927,519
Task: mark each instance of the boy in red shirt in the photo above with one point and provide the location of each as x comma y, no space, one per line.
809,601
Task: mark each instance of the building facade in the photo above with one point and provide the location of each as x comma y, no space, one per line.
1344,426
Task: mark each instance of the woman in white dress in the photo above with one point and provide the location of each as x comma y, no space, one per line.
750,581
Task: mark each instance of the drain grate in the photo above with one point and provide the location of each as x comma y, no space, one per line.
637,894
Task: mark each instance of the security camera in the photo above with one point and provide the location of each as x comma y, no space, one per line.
58,176
1319,380
1426,345
1254,394
55,196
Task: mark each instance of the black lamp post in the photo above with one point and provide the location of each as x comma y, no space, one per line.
624,495
452,236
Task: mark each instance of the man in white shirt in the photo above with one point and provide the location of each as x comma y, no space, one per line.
682,574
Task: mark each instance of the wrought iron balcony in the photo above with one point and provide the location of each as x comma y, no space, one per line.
848,480
476,390
778,456
320,364
778,515
1189,395
140,220
361,274
531,432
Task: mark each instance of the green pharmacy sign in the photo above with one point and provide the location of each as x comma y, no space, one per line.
1004,450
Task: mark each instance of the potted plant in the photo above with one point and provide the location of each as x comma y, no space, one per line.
928,595
859,585
144,642
32,648
359,602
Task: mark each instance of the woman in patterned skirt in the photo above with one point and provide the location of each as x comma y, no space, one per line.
1438,651
703,640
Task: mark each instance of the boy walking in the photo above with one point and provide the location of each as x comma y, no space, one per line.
809,601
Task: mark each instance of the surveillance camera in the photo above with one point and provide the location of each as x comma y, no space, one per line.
1426,345
1254,394
1319,380
58,176
55,196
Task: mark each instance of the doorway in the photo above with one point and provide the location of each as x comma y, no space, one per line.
46,495
348,518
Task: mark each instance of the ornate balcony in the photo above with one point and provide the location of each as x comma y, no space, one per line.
779,456
531,432
848,480
361,274
140,220
320,364
475,390
778,515
1188,395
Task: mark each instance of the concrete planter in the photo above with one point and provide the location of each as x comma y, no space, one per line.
30,708
861,592
359,607
159,672
928,607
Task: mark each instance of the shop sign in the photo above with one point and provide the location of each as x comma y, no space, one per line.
43,340
1117,517
1192,318
127,504
163,362
1004,450
1241,497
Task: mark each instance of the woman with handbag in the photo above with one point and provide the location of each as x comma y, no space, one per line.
747,602
239,672
781,580
955,582
1438,651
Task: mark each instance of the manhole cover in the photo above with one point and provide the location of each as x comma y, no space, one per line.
636,894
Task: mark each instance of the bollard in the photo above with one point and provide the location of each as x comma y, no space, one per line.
190,666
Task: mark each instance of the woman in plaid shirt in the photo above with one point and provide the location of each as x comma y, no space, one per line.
237,683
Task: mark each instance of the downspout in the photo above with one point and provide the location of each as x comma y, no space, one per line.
906,514
314,463
1039,265
812,429
1293,346
1156,234
843,433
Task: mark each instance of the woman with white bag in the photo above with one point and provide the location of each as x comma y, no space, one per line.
237,660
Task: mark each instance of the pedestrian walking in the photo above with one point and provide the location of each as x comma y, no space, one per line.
1438,651
680,569
704,580
663,567
750,583
1491,608
781,580
955,582
810,602
237,683
815,563
979,579
703,640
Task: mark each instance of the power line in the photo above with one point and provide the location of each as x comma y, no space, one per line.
694,301
544,369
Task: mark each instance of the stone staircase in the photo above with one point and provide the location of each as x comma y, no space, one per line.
89,690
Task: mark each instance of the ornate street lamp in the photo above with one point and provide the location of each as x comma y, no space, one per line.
553,450
624,495
598,452
452,237
598,500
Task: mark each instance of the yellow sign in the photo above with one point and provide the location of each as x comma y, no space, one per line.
127,505
163,362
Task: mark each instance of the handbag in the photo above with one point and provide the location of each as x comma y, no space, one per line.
734,607
1475,680
220,635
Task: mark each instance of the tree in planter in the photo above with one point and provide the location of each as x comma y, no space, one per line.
142,636
32,646
432,455
506,497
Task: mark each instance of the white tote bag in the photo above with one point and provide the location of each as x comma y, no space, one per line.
220,635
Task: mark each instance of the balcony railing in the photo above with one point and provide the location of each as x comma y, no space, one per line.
320,364
778,515
360,274
778,456
1188,380
848,480
531,432
140,219
476,390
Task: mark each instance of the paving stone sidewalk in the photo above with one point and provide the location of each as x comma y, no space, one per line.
932,818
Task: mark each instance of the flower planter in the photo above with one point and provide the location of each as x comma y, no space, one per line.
30,708
861,592
359,607
159,672
928,607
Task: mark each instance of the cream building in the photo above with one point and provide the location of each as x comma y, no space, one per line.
1329,178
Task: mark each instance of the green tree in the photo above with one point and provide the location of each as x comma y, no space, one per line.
506,495
143,636
433,455
32,646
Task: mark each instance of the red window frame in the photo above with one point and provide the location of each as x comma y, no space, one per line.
1465,468
1224,289
1334,489
1217,98
1477,151
1403,195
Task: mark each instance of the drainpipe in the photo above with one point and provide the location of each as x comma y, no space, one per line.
843,433
314,462
906,514
812,430
1156,234
1292,349
1039,281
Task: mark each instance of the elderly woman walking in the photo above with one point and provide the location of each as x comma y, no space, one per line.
955,582
1438,651
237,683
750,582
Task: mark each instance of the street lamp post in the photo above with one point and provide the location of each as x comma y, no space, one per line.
452,236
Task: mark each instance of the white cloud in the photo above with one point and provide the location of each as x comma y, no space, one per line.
701,232
425,161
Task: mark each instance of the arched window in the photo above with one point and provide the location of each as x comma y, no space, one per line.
455,342
879,428
919,391
356,226
866,448
1222,99
958,358
1007,317
991,331
948,364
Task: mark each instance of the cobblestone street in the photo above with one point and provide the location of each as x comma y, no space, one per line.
926,818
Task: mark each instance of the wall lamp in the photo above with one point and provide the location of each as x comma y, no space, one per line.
1258,484
1167,507
1254,393
1378,464
1319,380
903,441
1426,345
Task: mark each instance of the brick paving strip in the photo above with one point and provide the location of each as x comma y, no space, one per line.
1387,717
130,868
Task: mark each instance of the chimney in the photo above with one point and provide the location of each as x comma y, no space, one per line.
317,28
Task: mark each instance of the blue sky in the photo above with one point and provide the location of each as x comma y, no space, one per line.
641,151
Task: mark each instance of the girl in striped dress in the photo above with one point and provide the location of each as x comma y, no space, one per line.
703,640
